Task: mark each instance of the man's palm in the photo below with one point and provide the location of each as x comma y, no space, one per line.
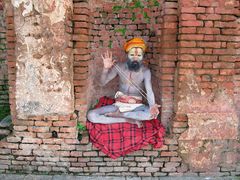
108,62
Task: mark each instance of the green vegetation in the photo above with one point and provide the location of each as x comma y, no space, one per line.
81,131
81,127
4,108
110,44
4,111
146,17
117,8
135,4
121,30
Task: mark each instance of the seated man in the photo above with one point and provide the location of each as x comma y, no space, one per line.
134,76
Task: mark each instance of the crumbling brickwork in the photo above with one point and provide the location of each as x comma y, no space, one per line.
208,53
194,58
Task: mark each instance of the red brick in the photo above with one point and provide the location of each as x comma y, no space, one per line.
67,135
186,71
65,123
222,78
81,25
194,10
43,123
187,30
207,58
31,140
228,18
72,129
82,17
38,129
168,153
44,135
187,44
207,71
191,51
186,57
20,128
188,17
22,122
80,37
232,45
208,30
189,3
191,23
190,64
196,37
167,77
229,58
208,23
25,134
80,31
209,17
223,65
208,3
224,51
230,31
227,38
50,147
168,64
209,44
227,71
226,11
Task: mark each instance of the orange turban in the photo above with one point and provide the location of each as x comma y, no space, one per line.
135,42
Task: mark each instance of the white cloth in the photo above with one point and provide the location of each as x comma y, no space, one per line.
125,107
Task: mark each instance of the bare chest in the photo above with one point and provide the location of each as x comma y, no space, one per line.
131,78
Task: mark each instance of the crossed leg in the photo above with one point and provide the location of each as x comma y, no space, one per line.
110,114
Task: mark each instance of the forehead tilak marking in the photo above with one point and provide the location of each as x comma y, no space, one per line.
136,51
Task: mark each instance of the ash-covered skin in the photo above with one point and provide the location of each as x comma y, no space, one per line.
132,74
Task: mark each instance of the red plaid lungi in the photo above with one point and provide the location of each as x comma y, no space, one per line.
119,139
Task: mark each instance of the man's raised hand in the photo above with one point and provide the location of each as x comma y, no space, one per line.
108,62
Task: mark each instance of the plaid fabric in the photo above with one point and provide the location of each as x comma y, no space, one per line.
119,139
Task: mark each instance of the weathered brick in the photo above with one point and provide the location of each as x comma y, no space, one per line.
28,146
121,169
38,129
105,169
141,159
144,164
90,153
136,169
169,153
194,10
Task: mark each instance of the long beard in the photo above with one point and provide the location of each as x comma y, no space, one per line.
133,65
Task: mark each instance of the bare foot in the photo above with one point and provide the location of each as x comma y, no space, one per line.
114,114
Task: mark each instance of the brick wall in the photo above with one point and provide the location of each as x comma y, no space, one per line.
196,67
208,56
4,97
